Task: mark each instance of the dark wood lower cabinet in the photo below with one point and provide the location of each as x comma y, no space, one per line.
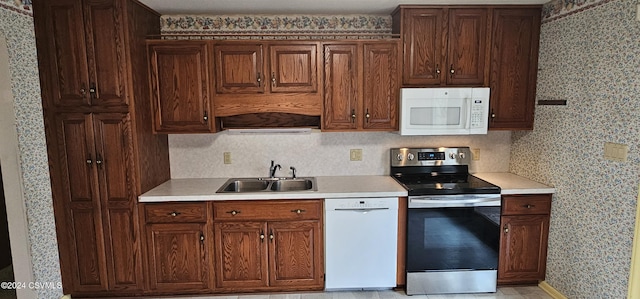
178,247
524,238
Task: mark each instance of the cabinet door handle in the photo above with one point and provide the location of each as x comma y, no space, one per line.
353,115
201,237
506,229
493,115
273,79
298,211
92,92
259,79
261,236
528,206
233,212
205,116
89,161
452,71
174,213
367,115
83,91
438,71
271,235
99,161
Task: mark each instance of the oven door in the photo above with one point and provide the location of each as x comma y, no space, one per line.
453,248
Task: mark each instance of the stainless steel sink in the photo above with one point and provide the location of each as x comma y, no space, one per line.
245,185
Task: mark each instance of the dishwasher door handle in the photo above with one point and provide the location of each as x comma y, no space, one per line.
360,209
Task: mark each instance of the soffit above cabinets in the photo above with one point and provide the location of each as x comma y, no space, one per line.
225,7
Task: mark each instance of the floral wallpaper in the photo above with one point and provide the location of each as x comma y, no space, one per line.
589,58
16,26
556,9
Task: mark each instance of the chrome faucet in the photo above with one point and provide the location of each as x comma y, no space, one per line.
293,169
273,168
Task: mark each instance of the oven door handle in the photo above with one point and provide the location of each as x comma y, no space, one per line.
433,202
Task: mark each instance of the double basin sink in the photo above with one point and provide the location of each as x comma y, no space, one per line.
244,185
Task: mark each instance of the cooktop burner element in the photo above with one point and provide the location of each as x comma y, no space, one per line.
437,171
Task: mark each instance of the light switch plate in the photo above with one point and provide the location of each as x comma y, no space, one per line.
616,151
355,154
227,157
475,154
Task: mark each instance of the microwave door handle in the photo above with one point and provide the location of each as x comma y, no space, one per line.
467,120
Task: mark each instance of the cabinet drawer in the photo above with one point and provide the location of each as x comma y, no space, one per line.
267,210
526,204
176,212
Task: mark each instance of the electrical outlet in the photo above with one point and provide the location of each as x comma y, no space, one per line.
355,154
227,157
475,154
616,151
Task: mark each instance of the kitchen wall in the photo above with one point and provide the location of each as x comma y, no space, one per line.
317,154
591,58
30,187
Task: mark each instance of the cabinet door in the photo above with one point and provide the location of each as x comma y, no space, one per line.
424,46
514,63
381,86
341,87
241,255
82,49
178,257
239,68
467,50
78,213
523,248
116,178
296,253
294,67
62,51
180,76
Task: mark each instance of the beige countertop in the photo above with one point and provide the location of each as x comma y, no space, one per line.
328,187
514,184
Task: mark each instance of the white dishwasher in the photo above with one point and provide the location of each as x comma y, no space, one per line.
361,237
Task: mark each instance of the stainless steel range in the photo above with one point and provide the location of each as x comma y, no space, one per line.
453,222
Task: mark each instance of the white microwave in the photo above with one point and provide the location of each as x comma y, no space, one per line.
444,111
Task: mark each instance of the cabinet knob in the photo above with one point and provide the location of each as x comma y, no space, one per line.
506,229
528,206
367,115
452,70
233,212
205,116
353,115
259,79
174,213
438,71
298,211
89,161
261,236
273,79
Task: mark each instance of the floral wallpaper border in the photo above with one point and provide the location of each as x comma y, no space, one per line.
19,6
274,24
557,9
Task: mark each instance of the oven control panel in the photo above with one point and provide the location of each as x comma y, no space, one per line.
430,156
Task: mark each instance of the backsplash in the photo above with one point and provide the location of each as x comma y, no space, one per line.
317,154
590,59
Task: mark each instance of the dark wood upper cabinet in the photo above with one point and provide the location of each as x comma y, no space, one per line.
181,75
267,77
514,68
85,52
443,45
240,68
361,86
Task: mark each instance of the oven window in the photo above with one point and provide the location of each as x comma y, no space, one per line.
453,238
435,116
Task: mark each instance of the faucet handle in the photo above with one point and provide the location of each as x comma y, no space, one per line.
293,169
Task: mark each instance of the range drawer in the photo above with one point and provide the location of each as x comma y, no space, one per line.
534,204
267,210
176,212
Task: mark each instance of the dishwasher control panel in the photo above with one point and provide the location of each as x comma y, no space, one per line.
390,203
